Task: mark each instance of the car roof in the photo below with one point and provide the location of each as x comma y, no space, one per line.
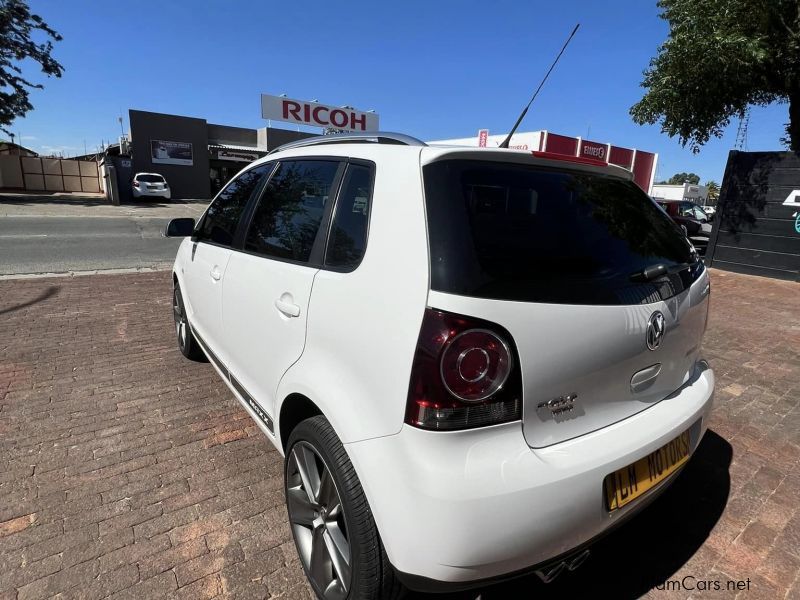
143,173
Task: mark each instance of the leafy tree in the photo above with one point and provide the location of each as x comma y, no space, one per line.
17,28
681,178
722,56
713,189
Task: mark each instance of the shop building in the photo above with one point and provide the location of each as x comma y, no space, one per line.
683,191
643,164
195,157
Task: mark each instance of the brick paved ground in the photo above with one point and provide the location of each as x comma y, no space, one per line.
126,471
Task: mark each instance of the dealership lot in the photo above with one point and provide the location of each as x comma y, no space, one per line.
127,471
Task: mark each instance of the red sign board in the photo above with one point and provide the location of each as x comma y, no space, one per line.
594,150
483,135
621,156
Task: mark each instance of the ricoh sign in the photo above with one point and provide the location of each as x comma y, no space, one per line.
278,108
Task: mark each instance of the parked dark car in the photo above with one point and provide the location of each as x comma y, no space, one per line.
691,217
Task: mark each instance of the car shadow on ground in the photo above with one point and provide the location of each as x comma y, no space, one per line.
648,549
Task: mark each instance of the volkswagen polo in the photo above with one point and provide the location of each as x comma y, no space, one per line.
474,361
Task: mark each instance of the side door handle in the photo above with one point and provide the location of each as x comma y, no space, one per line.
215,274
290,309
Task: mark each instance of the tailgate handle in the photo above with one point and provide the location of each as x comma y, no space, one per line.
643,379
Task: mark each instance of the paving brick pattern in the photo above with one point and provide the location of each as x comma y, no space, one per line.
129,472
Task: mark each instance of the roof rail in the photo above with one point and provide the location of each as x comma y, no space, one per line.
375,137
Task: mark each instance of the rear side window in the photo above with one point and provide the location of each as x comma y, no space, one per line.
222,217
289,213
348,237
529,234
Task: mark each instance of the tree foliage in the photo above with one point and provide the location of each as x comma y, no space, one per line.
713,189
722,56
681,178
18,27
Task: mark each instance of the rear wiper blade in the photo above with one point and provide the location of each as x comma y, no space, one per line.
657,270
650,273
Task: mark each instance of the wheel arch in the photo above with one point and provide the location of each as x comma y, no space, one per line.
295,408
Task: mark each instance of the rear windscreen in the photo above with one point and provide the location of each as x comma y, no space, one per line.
150,178
515,232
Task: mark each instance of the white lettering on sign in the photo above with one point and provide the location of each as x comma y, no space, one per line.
238,156
594,151
793,199
278,108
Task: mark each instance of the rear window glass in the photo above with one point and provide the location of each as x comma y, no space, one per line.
150,178
529,234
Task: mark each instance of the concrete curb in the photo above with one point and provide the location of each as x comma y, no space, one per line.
121,271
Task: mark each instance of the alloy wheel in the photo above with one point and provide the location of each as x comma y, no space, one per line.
180,320
316,514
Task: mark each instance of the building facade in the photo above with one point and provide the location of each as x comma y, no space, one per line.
196,158
640,162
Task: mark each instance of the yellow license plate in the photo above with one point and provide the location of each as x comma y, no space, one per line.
627,484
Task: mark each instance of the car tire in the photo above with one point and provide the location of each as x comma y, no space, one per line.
187,344
335,519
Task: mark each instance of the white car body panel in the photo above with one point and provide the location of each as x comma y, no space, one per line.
451,506
475,504
268,341
361,336
203,269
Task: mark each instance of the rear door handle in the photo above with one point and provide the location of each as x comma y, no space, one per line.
215,274
290,309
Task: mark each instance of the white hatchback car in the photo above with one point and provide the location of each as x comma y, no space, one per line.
475,361
150,185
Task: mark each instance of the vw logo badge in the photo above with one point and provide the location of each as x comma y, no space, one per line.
655,330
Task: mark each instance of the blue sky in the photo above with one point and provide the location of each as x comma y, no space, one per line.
435,70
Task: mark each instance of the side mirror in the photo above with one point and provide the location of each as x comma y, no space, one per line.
183,227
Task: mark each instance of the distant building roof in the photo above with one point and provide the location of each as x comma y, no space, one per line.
13,148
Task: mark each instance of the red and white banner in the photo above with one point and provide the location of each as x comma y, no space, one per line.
278,108
483,135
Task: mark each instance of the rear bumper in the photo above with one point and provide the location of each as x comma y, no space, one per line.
166,194
456,508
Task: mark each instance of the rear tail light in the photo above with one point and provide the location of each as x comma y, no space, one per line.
136,184
465,374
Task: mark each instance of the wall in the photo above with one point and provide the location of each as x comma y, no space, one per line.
757,225
11,172
234,136
32,173
270,138
185,181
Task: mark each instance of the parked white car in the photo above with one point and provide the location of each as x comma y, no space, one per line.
150,185
475,361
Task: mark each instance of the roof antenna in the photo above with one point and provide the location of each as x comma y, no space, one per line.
536,93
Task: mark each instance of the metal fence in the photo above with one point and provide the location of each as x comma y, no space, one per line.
29,173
